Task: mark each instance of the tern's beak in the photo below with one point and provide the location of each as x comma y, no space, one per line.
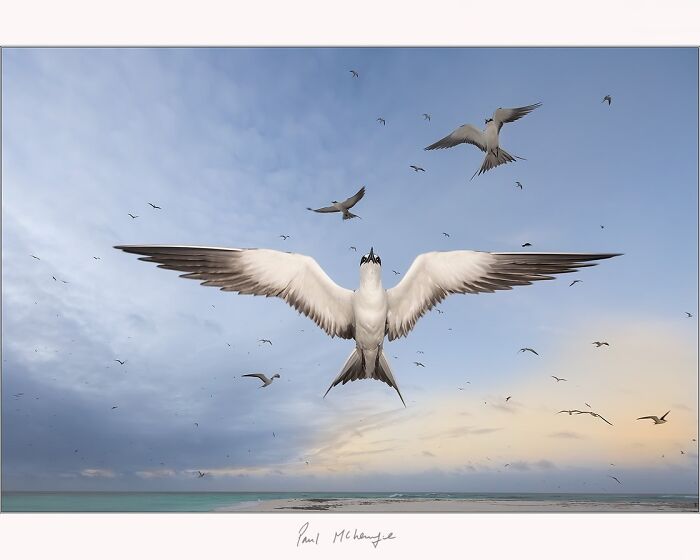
371,254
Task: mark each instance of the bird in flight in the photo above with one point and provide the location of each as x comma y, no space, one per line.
416,168
570,412
154,206
420,352
615,479
598,343
264,378
595,415
396,272
558,378
588,405
114,407
575,282
508,398
370,313
656,419
487,140
132,216
445,234
122,363
54,278
426,117
519,185
353,248
688,314
607,98
528,350
201,474
285,237
355,74
35,257
344,206
265,340
97,258
381,120
419,364
440,311
526,244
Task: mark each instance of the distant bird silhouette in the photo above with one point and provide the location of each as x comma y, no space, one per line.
54,278
440,311
133,217
65,281
114,407
615,479
519,185
526,245
35,257
201,474
355,73
196,424
395,272
264,340
285,237
508,398
419,364
688,314
528,350
416,168
420,352
122,363
445,234
154,206
682,452
558,378
426,117
656,419
353,248
607,98
588,405
575,282
598,343
262,377
344,206
381,120
97,258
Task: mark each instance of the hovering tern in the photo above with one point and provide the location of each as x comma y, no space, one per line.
262,377
370,313
486,140
656,419
344,206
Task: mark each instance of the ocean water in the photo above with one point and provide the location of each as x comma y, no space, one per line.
131,502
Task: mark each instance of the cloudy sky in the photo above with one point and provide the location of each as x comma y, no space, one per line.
233,145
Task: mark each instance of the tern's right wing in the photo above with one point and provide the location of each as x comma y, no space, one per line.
465,134
324,209
297,279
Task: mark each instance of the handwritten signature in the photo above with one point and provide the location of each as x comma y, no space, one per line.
306,536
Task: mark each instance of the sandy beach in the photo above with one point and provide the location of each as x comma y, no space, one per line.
428,505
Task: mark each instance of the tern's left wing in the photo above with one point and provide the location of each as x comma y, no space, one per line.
354,199
433,276
297,279
501,115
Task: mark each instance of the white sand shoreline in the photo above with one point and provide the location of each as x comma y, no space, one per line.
431,505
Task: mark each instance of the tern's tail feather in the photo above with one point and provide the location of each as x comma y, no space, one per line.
349,215
494,158
354,369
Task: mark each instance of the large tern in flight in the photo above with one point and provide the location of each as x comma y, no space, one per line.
370,313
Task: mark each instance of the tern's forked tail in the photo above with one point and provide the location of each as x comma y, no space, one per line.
354,369
494,158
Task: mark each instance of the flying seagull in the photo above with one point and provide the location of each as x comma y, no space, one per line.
558,378
285,237
528,349
445,234
598,343
396,272
344,206
419,364
35,257
487,140
122,363
114,407
528,244
420,352
575,282
132,216
688,314
426,117
201,474
97,258
656,419
264,340
615,479
154,206
262,377
370,313
519,185
381,120
416,168
607,98
508,398
353,248
354,73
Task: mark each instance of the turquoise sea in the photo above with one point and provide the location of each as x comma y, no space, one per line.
129,502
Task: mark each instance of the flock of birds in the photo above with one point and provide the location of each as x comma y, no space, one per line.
370,313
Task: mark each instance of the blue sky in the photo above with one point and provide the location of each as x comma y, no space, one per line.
234,144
